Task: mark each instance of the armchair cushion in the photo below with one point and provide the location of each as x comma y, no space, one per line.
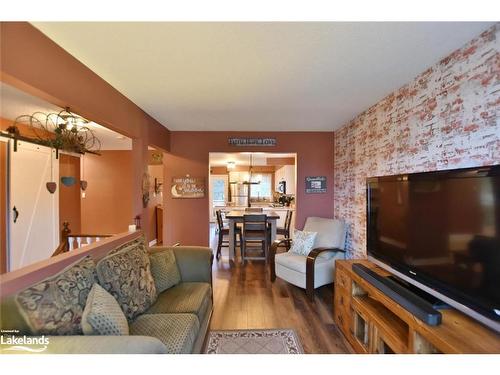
331,233
292,268
296,262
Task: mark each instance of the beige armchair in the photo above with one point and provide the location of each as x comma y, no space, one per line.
316,269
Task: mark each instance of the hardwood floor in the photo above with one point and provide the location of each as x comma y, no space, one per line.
245,298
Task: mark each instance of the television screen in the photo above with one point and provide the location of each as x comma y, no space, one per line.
441,229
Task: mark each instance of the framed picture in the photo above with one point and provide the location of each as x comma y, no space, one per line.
315,184
282,187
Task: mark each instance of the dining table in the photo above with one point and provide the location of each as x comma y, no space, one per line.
236,216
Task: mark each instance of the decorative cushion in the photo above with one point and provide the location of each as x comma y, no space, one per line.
164,270
55,305
102,314
138,242
190,297
127,276
177,332
303,242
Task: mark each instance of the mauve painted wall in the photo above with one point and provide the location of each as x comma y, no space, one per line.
54,75
187,220
446,118
105,208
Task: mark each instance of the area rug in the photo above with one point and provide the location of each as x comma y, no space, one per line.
262,341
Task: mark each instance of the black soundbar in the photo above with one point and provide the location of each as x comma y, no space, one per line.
410,301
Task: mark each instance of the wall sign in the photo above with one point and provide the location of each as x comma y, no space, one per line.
251,141
316,185
188,187
155,157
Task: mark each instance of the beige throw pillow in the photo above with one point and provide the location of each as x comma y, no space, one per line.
103,315
303,242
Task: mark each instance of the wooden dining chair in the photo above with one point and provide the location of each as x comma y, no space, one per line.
285,231
224,231
255,230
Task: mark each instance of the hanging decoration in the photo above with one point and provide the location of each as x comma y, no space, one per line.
61,131
146,188
51,186
68,180
83,182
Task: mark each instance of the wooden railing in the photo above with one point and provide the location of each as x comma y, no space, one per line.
71,241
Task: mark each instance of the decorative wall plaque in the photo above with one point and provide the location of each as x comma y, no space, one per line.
316,185
188,187
155,157
251,141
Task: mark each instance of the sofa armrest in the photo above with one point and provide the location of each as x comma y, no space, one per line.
96,345
194,263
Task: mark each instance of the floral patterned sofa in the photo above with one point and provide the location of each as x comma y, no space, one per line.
134,300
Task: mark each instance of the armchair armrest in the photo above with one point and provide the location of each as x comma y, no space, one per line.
272,254
310,262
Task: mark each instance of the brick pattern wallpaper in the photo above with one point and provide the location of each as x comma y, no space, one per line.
446,118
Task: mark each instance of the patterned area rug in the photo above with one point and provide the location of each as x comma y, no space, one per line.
263,341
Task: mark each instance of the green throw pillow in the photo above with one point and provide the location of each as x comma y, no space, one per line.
138,242
55,305
126,275
164,270
103,315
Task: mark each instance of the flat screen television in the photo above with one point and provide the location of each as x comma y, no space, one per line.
441,232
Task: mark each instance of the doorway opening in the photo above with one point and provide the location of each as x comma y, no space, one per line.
241,181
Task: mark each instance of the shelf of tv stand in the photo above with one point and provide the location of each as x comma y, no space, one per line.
394,329
404,332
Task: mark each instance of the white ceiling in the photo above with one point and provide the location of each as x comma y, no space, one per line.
220,159
258,76
14,103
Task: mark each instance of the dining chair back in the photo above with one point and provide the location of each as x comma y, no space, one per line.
255,229
288,223
224,231
220,221
254,209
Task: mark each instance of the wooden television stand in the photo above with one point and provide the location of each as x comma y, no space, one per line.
374,323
